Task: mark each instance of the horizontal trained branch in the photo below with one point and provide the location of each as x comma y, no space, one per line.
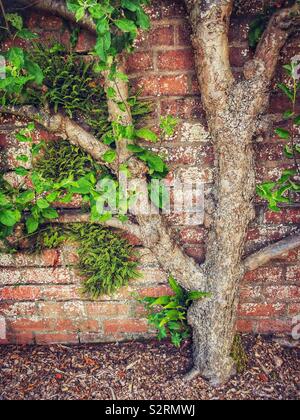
128,226
59,8
63,127
271,252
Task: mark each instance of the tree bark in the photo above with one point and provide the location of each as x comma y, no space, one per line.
232,111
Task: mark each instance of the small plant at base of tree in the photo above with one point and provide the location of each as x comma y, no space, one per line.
168,314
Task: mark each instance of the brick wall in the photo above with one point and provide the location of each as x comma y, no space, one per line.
40,303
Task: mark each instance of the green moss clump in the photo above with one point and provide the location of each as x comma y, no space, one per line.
106,260
71,85
60,160
239,354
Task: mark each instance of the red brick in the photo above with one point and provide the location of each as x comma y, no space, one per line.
250,293
193,236
195,86
21,338
173,9
50,22
32,293
294,309
239,56
97,310
282,293
3,140
285,216
86,42
29,325
125,326
184,34
162,36
261,309
59,338
51,257
280,103
184,107
293,275
265,274
274,326
198,253
245,326
173,85
239,29
270,152
139,61
162,85
156,291
132,239
176,60
35,275
18,309
19,293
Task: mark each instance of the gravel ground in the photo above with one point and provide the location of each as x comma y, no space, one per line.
141,371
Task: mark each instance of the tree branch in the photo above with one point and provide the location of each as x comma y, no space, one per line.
123,117
271,252
281,26
210,23
128,226
64,127
59,8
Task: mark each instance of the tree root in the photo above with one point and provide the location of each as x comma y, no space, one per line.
190,376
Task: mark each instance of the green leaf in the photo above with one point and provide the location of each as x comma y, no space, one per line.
42,203
10,217
15,20
288,114
32,224
110,156
282,133
194,295
130,5
146,134
72,6
297,120
126,25
22,158
80,12
26,34
287,91
21,171
34,70
22,138
3,200
102,25
50,213
135,148
16,57
175,287
162,300
143,20
26,197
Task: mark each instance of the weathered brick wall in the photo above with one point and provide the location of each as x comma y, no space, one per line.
40,299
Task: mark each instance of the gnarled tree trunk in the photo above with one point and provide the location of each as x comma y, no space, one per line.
232,110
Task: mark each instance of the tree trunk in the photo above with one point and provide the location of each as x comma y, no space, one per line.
232,110
214,321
